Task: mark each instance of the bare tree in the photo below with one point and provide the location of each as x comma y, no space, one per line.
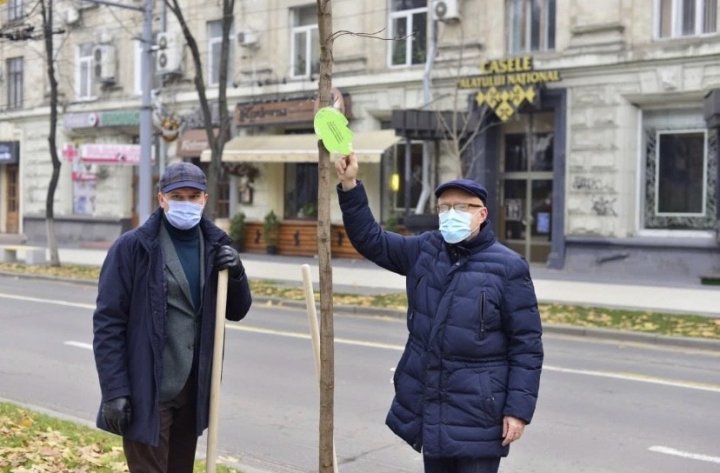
46,12
463,123
217,143
327,355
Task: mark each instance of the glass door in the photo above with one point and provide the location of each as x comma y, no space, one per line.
526,186
12,210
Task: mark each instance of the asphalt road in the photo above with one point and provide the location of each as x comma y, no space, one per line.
605,406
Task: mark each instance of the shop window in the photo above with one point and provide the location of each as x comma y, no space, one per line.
680,173
680,166
408,25
531,25
677,18
84,72
301,189
14,68
416,154
305,44
214,34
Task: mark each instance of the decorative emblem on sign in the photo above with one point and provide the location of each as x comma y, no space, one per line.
505,84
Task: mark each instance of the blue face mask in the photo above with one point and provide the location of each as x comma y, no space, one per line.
183,215
455,226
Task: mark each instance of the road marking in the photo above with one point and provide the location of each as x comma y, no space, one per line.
600,374
72,343
680,453
46,301
341,341
638,377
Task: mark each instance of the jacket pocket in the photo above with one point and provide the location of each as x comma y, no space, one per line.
489,405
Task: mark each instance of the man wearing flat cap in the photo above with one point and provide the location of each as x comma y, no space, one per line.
154,325
467,382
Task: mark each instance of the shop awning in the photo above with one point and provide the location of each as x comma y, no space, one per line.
368,146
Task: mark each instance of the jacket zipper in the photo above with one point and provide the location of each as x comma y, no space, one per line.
482,314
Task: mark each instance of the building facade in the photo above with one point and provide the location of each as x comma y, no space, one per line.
594,129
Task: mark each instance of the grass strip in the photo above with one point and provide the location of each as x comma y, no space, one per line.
31,442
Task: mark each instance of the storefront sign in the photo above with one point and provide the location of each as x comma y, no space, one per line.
101,119
9,152
110,154
193,142
506,83
281,112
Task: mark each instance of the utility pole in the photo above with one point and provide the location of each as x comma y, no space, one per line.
146,131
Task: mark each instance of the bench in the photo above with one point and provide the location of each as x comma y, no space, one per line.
32,254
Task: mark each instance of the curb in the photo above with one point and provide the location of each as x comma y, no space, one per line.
556,329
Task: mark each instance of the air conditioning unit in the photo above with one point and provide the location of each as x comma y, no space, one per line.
169,55
71,16
248,38
105,63
446,10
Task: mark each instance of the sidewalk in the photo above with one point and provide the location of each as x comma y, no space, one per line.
363,277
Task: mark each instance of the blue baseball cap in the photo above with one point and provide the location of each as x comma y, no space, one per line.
182,174
467,185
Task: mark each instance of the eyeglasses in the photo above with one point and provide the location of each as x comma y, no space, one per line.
459,207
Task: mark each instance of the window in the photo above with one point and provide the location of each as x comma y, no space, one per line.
15,10
301,188
531,25
680,163
416,153
305,44
680,173
84,72
214,46
14,82
676,18
408,24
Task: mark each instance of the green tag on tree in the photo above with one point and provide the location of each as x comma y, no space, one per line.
331,126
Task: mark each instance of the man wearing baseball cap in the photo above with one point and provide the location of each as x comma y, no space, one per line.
154,325
467,382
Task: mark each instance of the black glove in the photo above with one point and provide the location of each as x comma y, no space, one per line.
117,414
228,258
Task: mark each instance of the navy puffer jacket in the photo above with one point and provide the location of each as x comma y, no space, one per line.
474,351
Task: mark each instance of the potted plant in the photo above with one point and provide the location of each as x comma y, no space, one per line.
271,230
237,231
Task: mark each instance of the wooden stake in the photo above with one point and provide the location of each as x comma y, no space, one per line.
220,307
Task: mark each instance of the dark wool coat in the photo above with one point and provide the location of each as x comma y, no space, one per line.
129,324
474,351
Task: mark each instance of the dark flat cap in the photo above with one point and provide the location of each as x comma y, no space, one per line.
182,174
467,185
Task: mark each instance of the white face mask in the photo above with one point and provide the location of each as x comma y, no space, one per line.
455,226
183,215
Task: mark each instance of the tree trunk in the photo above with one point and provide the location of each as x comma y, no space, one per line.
217,143
327,356
46,9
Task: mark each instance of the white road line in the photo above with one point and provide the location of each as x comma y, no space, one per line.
680,453
72,343
600,374
46,301
342,341
638,377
